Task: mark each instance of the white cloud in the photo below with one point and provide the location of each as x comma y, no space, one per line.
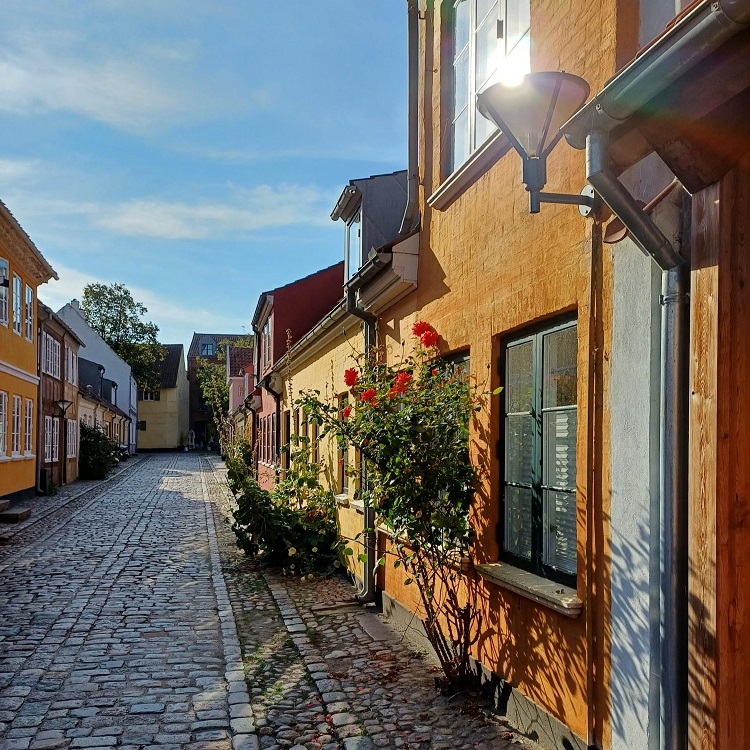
13,170
260,207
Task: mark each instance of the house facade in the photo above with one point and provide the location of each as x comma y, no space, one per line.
58,435
22,270
164,413
241,383
117,371
282,317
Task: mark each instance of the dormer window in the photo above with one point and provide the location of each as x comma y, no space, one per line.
353,252
208,348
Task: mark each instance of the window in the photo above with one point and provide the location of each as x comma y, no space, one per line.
540,452
71,365
4,276
490,42
29,313
343,452
28,427
17,304
3,423
208,349
265,344
50,355
48,439
15,433
71,442
354,245
149,395
55,438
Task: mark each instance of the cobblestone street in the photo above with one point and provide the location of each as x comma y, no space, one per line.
128,618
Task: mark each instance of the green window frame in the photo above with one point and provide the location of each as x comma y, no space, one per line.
539,518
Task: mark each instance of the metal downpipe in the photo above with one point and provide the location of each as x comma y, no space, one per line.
668,570
367,594
411,212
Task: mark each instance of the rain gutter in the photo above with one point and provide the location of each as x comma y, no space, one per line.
411,213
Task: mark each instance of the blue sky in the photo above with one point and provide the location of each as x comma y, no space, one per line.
194,149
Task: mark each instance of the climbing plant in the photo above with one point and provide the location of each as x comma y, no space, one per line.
410,421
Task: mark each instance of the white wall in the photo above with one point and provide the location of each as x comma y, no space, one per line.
97,350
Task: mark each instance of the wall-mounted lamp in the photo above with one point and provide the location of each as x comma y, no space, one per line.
63,405
5,282
530,115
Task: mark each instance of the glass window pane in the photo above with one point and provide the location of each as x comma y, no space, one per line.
461,138
560,367
518,521
517,22
560,539
488,50
519,451
461,28
519,389
461,81
559,441
483,7
484,128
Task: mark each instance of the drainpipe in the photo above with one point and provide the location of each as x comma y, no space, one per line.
668,571
411,214
367,594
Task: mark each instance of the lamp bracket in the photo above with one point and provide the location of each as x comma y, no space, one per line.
585,201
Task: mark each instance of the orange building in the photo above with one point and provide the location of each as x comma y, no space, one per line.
22,270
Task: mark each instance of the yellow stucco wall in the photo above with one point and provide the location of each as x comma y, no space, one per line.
163,427
18,472
324,371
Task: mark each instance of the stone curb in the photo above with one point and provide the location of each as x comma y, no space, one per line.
244,736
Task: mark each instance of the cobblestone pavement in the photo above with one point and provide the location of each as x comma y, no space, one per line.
129,618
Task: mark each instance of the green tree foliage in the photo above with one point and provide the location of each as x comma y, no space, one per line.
410,422
97,453
113,313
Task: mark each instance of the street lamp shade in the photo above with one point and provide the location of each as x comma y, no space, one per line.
532,113
63,404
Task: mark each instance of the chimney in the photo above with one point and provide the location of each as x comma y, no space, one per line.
75,304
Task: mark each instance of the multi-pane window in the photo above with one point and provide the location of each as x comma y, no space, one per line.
28,428
149,395
343,452
47,439
208,349
50,355
354,257
4,276
3,423
265,344
29,313
490,42
71,441
71,365
540,452
15,431
17,303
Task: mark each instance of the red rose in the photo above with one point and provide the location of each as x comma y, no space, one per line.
346,412
421,327
403,379
435,371
368,395
394,391
429,339
350,377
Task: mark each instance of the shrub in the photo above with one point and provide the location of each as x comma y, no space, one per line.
97,454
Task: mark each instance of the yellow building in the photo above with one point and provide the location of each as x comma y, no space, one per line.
22,270
163,414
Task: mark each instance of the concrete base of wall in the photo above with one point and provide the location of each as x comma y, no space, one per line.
519,711
20,495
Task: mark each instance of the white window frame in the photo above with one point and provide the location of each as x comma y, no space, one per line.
47,439
71,445
29,313
4,292
55,439
71,365
17,304
15,427
28,436
266,343
3,423
475,129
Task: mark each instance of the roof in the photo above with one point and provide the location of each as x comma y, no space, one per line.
194,350
50,315
239,358
271,292
37,263
170,365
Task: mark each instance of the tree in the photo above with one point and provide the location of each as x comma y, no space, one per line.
113,313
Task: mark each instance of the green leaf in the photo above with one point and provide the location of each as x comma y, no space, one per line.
497,391
408,581
348,551
362,557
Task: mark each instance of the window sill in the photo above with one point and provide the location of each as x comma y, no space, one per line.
470,171
556,596
342,499
5,458
17,457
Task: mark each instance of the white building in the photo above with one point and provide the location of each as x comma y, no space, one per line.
125,396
